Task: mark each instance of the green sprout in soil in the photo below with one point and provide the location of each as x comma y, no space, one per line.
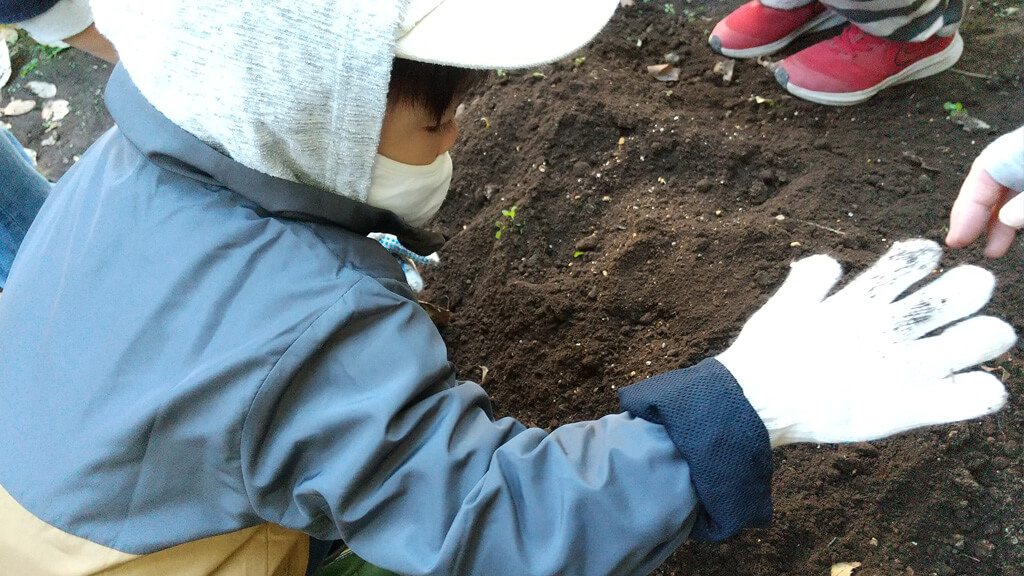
954,107
670,8
578,62
507,221
691,15
29,67
40,54
47,52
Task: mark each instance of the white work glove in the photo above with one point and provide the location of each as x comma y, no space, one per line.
408,259
855,366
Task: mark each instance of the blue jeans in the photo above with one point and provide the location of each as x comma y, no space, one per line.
22,191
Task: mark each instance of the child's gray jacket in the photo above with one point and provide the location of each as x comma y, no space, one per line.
202,366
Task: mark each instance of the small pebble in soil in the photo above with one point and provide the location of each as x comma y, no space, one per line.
984,548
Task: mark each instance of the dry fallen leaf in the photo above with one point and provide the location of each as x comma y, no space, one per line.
8,35
18,107
441,317
918,161
724,68
768,63
968,122
55,110
1001,372
42,89
844,568
5,64
664,72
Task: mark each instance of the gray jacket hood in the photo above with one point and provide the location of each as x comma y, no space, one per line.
294,90
174,149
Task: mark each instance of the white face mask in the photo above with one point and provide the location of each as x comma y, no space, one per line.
414,193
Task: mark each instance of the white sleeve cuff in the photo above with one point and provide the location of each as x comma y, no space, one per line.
65,19
1004,160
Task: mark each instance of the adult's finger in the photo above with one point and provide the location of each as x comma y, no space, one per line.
1012,213
980,195
1000,238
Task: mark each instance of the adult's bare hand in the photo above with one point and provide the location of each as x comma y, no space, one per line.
990,199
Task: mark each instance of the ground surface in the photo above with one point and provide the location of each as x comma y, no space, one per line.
647,229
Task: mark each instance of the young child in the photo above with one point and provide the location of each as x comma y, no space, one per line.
886,42
206,367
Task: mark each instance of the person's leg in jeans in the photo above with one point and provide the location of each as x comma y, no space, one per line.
22,192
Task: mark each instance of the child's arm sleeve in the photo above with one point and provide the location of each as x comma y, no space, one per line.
14,11
51,22
361,433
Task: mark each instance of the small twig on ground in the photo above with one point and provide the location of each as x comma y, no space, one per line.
829,545
973,74
840,232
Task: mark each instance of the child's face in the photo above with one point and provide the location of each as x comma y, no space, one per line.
411,135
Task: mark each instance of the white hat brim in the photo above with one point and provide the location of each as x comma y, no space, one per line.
505,34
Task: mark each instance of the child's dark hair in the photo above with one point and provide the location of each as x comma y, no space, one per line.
434,86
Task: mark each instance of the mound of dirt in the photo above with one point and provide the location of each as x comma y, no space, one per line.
642,221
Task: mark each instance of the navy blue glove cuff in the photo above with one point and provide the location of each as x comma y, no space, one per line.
14,11
720,436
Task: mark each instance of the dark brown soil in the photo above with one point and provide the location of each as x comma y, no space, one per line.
647,228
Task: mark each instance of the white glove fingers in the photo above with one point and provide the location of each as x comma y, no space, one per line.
960,346
956,294
957,397
941,401
899,268
809,281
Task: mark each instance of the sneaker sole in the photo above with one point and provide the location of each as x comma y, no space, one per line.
929,66
823,21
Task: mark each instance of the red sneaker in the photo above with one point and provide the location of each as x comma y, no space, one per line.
754,30
854,66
